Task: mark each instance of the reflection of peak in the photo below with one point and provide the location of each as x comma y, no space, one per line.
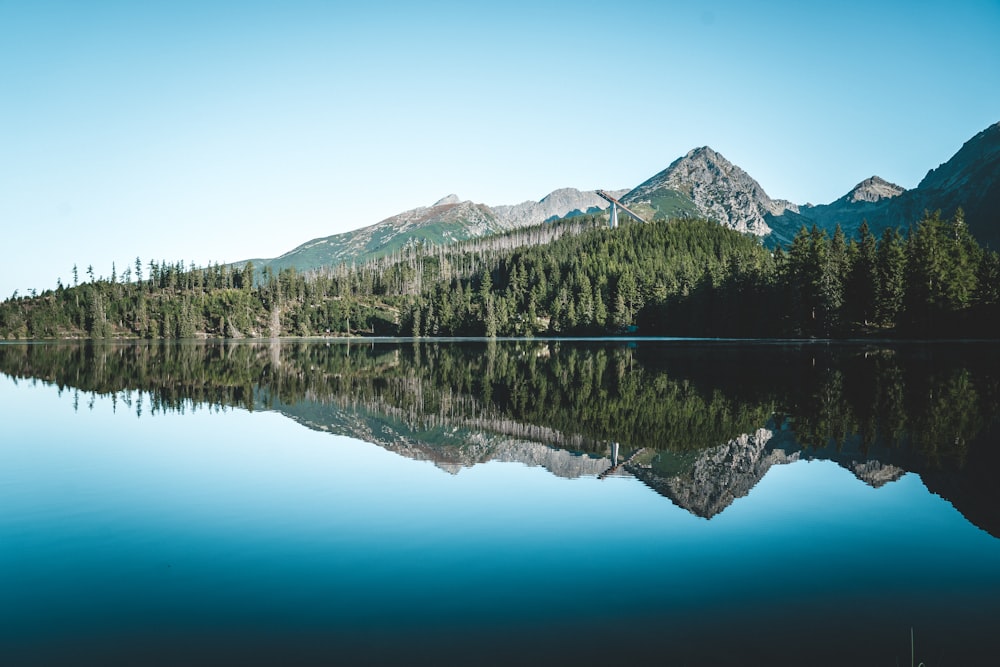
875,473
719,475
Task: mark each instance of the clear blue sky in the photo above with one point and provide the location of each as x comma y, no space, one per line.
220,131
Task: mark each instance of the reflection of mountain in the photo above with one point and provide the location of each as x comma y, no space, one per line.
452,446
717,476
700,423
707,483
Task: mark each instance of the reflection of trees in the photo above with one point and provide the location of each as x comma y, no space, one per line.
576,395
933,404
588,394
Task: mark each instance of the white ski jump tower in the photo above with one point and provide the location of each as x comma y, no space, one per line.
615,205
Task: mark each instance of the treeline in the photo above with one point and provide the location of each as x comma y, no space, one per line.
680,278
218,301
936,281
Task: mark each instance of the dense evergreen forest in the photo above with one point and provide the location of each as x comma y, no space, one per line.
574,277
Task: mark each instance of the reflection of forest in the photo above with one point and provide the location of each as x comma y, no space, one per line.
709,417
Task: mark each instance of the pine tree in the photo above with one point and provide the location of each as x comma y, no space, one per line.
862,284
830,291
891,282
926,274
963,258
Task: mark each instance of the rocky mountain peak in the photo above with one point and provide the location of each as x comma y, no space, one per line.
874,189
450,199
705,153
720,191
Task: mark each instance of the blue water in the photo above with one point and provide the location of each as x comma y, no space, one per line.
231,537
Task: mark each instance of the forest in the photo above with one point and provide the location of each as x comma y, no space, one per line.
574,277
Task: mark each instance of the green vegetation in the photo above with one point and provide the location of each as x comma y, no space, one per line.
573,277
668,204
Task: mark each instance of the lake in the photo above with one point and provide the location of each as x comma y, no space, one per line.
531,502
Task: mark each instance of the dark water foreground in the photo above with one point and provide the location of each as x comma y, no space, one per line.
520,502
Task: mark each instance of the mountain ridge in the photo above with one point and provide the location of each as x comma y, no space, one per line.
969,179
701,183
448,220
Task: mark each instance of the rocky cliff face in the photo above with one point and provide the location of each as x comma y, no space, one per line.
719,190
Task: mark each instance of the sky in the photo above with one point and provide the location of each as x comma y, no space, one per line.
223,131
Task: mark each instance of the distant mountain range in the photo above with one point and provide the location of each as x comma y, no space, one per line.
445,221
700,184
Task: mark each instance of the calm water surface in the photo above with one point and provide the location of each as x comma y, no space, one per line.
662,503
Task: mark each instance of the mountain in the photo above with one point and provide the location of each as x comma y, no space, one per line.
970,180
705,184
447,220
872,190
704,483
702,184
709,482
562,203
458,443
872,199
